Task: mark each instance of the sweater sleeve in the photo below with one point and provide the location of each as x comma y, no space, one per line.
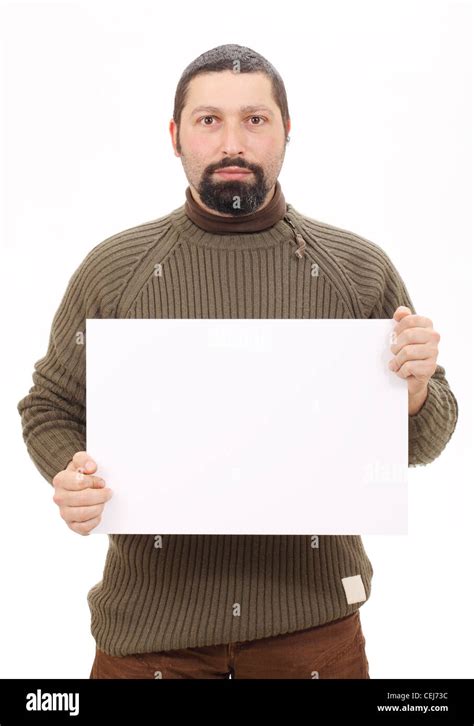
431,428
53,413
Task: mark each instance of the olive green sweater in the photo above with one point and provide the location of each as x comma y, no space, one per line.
177,591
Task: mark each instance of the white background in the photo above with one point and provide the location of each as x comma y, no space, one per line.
380,101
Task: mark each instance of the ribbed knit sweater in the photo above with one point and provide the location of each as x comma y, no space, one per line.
177,591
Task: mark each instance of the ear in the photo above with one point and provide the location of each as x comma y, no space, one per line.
173,129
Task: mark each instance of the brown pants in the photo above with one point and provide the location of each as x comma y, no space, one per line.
332,650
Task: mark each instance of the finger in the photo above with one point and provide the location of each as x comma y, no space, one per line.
410,337
412,353
75,480
84,498
81,514
419,369
84,528
412,321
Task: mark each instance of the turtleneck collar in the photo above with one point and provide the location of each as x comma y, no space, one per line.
257,221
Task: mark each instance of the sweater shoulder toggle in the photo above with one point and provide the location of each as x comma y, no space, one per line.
299,252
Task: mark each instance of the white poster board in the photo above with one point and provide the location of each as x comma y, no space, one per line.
247,426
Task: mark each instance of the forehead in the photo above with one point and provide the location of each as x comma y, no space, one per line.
229,92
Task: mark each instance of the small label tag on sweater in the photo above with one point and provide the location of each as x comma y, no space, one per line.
354,588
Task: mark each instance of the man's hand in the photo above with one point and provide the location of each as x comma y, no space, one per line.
415,348
79,495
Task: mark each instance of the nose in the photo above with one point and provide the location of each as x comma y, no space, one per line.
232,141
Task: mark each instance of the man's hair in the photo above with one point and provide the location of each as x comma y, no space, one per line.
235,58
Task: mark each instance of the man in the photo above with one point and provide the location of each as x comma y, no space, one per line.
215,606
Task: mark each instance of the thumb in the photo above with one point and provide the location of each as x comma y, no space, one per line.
84,462
401,312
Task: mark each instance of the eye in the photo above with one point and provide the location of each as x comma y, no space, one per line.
259,117
204,117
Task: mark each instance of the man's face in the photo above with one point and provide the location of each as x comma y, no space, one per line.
230,120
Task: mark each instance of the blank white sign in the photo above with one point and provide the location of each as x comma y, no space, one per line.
247,426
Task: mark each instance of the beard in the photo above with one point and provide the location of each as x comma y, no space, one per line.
237,197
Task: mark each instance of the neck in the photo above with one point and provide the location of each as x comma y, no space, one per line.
269,196
264,218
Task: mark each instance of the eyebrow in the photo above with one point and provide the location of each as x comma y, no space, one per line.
243,109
